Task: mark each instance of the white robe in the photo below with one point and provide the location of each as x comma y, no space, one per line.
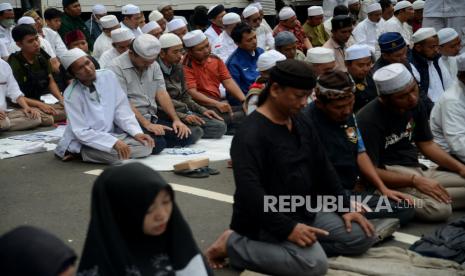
394,25
8,85
55,41
449,70
224,46
107,57
367,32
95,119
435,89
211,35
265,39
137,32
102,43
448,120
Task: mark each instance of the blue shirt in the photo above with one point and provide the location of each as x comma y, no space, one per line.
243,67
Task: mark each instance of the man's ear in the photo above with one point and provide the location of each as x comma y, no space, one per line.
275,89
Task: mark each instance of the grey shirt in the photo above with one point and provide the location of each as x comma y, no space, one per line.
140,88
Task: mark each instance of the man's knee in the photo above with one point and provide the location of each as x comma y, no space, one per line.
357,242
140,151
214,129
432,210
5,124
315,262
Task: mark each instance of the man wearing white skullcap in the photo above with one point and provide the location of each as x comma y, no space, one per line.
225,45
425,58
441,14
254,19
156,16
103,42
449,47
132,17
120,41
215,15
17,119
201,121
354,10
418,14
390,125
359,61
168,13
314,28
368,31
448,116
141,78
321,59
403,12
95,134
288,22
265,63
152,28
177,27
7,21
93,23
204,73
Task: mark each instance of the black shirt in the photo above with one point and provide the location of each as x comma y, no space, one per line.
388,135
365,92
269,159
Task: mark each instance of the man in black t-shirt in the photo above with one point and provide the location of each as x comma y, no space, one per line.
390,125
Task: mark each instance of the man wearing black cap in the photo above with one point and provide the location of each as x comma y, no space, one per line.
332,114
340,34
277,153
71,20
215,15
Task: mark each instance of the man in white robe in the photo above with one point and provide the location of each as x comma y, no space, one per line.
264,34
403,12
225,45
103,42
121,39
101,125
368,31
449,48
215,15
131,19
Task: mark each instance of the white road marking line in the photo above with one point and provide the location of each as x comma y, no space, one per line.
398,236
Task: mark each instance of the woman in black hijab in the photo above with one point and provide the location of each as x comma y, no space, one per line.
136,228
30,251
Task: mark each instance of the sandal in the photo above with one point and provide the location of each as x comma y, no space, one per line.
197,173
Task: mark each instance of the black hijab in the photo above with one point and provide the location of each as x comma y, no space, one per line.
28,250
116,244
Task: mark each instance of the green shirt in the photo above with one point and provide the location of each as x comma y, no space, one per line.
317,35
35,83
69,24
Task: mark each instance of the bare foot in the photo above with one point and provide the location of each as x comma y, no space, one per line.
230,164
216,253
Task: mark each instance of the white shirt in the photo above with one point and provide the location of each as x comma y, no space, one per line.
92,117
394,25
107,57
224,46
367,32
329,5
435,89
444,8
44,44
102,43
8,85
211,35
137,32
5,35
449,70
265,39
448,120
55,41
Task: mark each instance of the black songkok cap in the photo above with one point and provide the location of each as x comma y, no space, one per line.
215,11
293,73
341,21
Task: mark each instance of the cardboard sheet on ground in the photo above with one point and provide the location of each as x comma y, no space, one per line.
42,136
12,148
214,149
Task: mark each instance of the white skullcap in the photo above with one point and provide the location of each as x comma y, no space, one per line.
162,6
26,20
71,56
315,10
121,34
5,6
461,63
402,5
99,9
231,18
418,5
257,5
350,2
193,38
130,9
320,55
357,51
268,60
168,40
286,13
155,16
249,11
109,21
422,34
152,25
392,78
447,35
175,24
374,7
146,46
